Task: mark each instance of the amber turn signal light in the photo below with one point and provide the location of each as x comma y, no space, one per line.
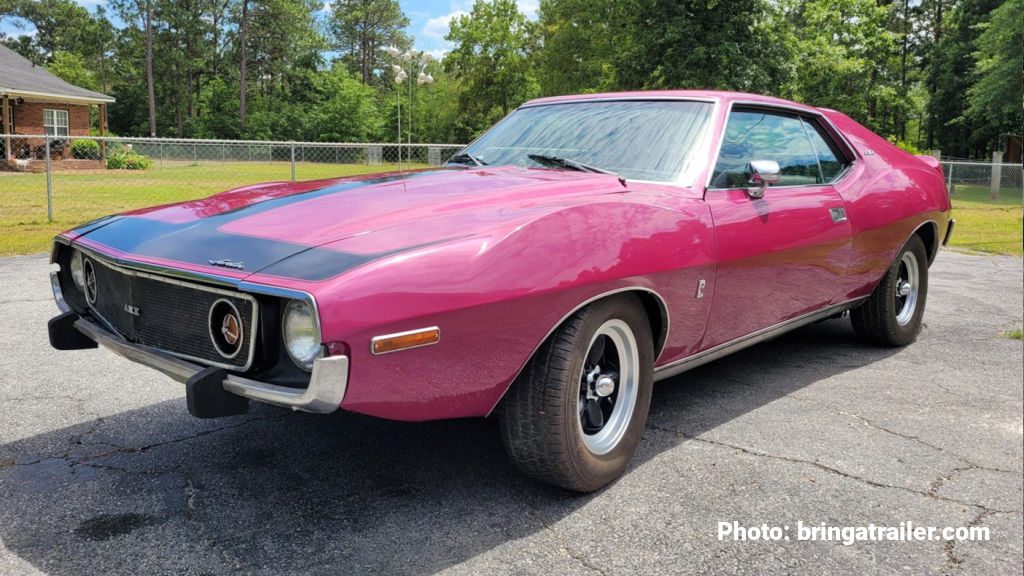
405,340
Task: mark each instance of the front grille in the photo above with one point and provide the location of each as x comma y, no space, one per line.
168,314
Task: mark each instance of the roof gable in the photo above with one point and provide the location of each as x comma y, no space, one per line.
19,75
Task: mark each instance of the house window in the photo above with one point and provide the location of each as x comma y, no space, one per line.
55,122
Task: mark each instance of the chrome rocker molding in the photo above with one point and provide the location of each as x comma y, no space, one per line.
724,349
326,390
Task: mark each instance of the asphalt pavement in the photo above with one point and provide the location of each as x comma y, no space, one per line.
102,470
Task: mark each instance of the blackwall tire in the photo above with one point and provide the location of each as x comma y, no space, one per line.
549,418
891,316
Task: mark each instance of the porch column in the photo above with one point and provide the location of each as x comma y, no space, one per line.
103,132
6,106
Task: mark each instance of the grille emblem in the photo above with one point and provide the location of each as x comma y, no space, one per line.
90,282
226,329
133,310
230,328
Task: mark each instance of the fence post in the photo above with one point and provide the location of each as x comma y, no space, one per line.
293,161
49,180
997,176
949,179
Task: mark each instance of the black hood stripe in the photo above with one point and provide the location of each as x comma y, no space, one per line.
200,241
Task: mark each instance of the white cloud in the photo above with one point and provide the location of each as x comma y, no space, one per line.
438,54
437,28
529,7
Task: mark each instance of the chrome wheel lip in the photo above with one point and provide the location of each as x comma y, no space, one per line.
909,273
628,389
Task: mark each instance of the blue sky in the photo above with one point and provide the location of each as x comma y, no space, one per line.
428,19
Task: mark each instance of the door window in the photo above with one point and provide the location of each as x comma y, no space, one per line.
762,135
830,159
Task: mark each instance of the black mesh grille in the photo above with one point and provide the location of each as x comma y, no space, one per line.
171,315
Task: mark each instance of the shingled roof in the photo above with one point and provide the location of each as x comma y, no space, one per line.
20,77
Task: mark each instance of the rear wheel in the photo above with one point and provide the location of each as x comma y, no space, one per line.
575,415
891,316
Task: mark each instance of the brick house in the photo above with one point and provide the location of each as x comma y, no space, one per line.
35,102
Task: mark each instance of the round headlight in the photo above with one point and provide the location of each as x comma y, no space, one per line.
301,337
77,271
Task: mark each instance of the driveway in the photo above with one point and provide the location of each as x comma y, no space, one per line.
102,470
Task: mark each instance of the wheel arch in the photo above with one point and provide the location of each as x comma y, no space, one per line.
929,234
927,231
654,306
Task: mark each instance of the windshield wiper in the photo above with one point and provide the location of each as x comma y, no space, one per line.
559,162
462,157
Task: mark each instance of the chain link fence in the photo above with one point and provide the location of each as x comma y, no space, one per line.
48,184
984,182
72,180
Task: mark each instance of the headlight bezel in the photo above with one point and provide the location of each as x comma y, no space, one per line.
307,355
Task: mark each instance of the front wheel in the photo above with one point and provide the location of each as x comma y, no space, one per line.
891,316
575,415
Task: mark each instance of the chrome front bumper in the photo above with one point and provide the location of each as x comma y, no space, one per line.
323,395
327,383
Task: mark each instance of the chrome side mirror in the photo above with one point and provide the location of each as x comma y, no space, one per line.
761,174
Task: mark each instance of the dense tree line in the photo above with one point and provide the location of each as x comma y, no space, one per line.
928,73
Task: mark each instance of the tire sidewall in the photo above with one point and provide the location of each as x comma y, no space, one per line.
907,333
598,469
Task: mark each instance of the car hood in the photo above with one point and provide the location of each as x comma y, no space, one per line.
316,230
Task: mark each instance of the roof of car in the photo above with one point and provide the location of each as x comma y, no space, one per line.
720,95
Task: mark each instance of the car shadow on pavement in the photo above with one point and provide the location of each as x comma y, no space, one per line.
154,491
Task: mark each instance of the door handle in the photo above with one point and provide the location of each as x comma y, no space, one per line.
838,214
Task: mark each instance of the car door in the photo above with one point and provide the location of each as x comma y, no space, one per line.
784,254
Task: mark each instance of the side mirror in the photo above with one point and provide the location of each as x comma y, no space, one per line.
761,174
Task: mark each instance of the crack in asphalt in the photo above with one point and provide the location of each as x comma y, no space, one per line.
191,492
19,300
828,469
971,465
564,547
86,460
953,562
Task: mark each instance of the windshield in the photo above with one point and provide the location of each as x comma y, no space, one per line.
640,140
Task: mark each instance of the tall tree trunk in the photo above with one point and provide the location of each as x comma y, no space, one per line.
933,86
190,64
151,93
243,29
903,70
365,64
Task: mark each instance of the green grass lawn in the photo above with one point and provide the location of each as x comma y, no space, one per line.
80,196
983,224
989,226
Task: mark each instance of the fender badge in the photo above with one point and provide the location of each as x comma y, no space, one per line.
226,263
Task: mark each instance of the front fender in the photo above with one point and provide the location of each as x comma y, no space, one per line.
497,294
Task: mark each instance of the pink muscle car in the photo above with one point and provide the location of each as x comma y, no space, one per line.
583,248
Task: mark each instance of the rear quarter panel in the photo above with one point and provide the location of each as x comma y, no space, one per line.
889,194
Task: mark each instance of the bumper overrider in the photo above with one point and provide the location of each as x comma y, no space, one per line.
211,391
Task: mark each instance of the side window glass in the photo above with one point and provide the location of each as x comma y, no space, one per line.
832,163
757,135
